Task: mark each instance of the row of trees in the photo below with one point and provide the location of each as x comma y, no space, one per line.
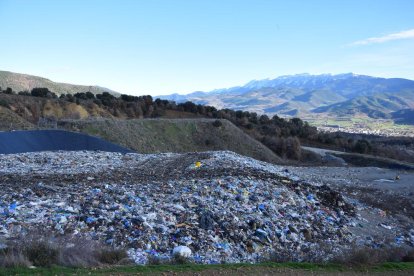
35,92
283,136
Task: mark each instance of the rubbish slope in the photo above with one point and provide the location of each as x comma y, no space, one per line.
214,206
53,140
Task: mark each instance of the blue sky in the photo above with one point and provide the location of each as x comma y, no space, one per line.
160,47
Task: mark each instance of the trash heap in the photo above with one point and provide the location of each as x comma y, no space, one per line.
211,217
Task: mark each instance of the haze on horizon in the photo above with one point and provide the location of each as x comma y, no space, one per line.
162,47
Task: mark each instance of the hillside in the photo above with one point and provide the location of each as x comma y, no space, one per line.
22,82
281,136
375,106
404,116
10,120
175,135
304,95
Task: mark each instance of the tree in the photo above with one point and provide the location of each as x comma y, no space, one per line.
42,92
24,93
362,146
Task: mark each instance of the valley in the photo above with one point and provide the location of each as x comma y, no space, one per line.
360,125
356,103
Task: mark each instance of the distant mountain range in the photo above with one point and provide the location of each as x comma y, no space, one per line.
22,82
304,95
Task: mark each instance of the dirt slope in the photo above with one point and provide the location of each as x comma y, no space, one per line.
11,121
175,135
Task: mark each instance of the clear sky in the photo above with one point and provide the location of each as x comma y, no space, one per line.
160,47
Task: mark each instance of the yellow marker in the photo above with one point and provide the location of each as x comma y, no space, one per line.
198,164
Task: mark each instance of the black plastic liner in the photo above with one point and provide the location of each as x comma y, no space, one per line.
53,140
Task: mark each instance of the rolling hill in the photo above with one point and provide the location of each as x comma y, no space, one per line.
22,82
304,94
404,116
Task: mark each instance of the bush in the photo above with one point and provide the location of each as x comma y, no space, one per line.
112,256
78,253
370,256
24,93
13,258
64,251
154,260
8,91
409,257
40,92
179,260
217,123
362,146
42,254
4,103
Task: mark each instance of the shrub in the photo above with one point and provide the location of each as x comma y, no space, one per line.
177,259
409,256
37,250
11,257
78,253
370,256
112,256
4,103
154,260
40,92
42,253
362,146
217,123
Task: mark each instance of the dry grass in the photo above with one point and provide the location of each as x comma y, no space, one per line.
63,251
364,256
13,258
175,260
175,135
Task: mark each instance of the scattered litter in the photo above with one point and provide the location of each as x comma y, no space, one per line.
384,180
386,226
231,209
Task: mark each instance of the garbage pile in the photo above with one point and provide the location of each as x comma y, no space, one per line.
210,207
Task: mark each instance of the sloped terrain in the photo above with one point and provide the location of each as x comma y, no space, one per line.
9,120
32,109
175,135
229,209
404,116
376,106
304,94
22,82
